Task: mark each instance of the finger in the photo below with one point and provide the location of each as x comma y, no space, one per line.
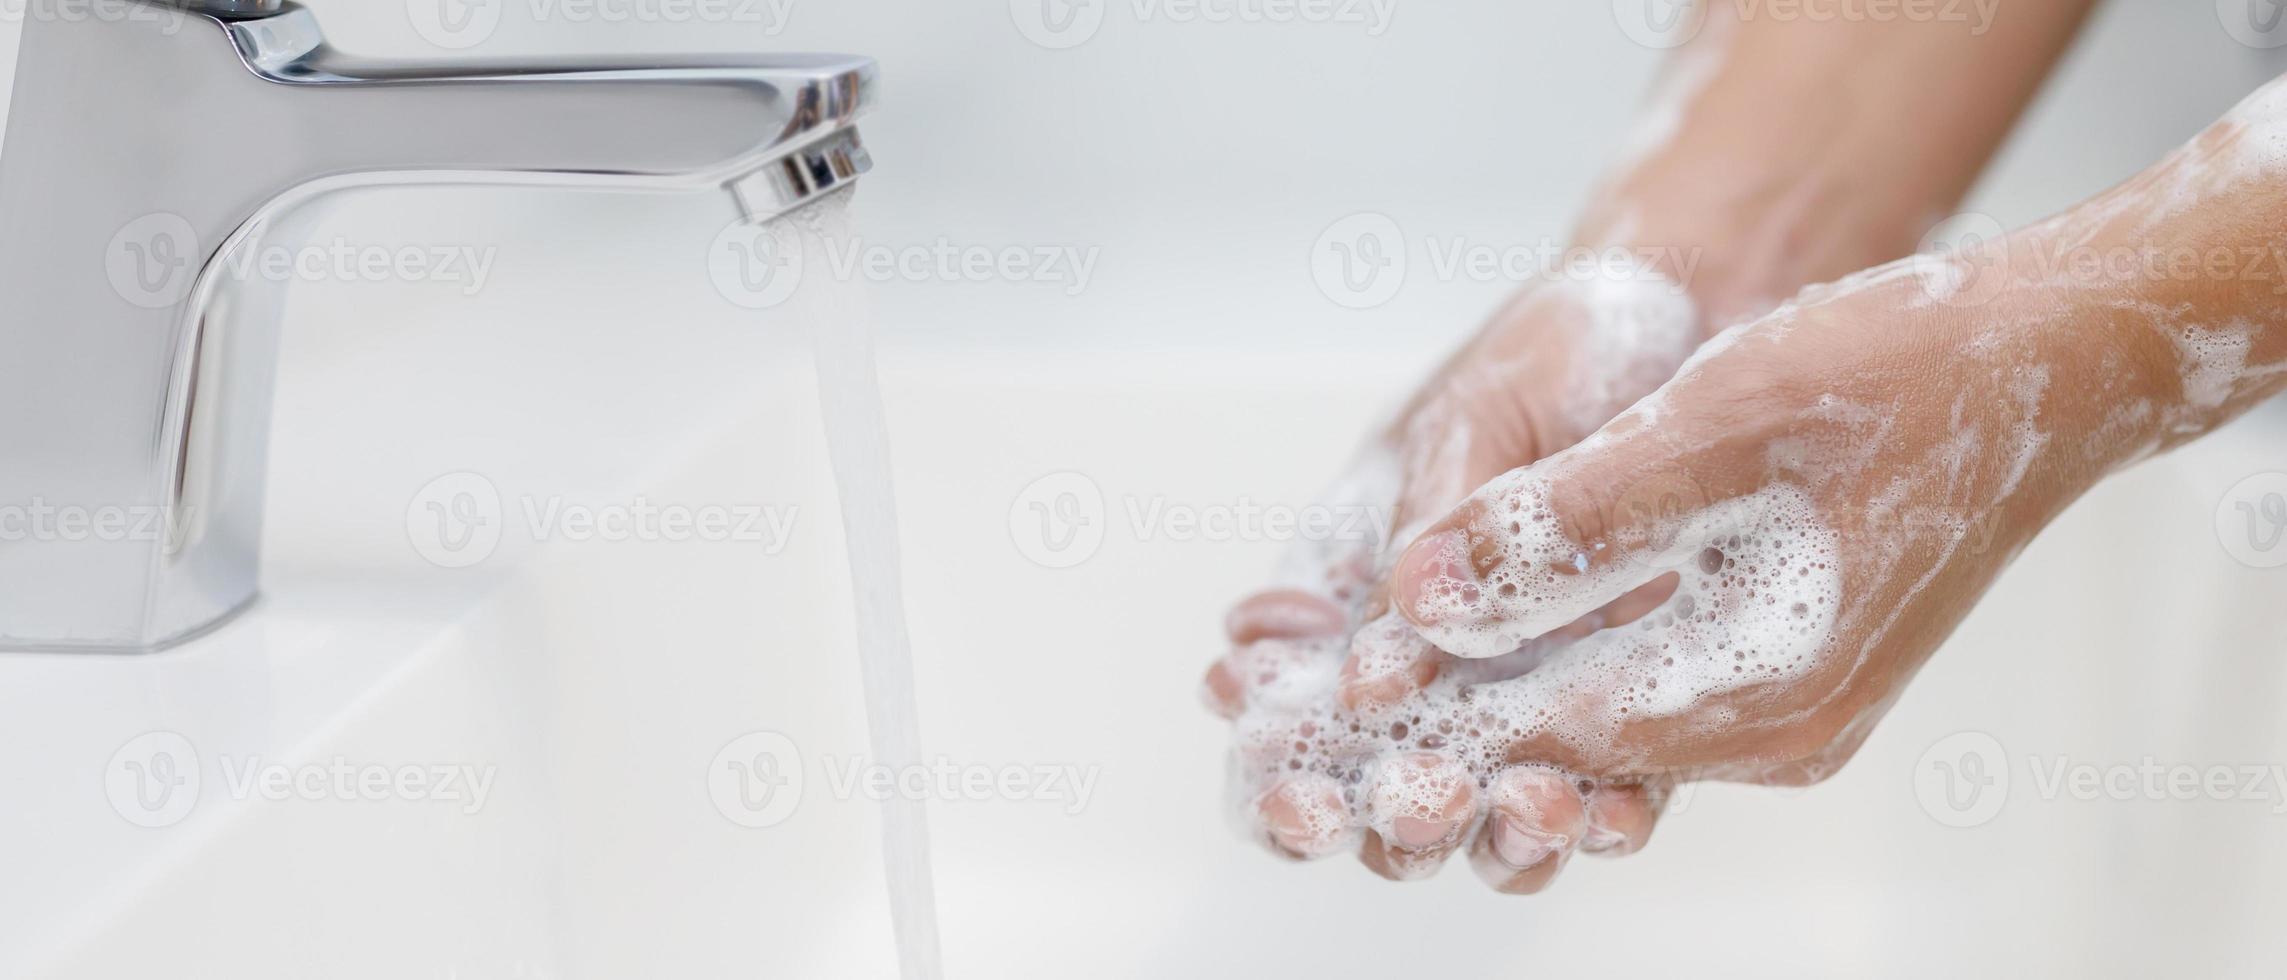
1534,820
1541,547
1284,614
1453,439
1419,812
1621,818
1621,611
1223,690
1388,664
1341,567
1305,818
1290,672
1278,614
1638,603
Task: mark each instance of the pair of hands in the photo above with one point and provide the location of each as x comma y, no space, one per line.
1729,580
1626,559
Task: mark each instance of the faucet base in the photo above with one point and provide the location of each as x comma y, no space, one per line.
162,645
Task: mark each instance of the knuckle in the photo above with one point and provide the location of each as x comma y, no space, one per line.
1584,511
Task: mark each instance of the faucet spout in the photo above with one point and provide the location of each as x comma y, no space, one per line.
672,121
143,153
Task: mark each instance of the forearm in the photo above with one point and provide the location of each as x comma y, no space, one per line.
2169,290
2217,311
1783,152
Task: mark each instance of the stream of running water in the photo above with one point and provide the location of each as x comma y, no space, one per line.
840,325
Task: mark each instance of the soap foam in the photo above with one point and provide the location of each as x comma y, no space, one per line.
1758,598
2213,361
1342,568
1541,580
1641,328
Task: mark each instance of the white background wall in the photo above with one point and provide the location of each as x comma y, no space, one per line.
1205,158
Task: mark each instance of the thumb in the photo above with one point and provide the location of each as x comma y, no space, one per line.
1542,546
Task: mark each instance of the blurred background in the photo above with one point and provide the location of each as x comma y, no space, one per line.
1201,368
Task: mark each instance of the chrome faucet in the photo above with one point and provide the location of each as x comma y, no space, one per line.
142,153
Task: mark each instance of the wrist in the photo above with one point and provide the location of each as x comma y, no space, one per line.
2126,335
1742,234
2187,266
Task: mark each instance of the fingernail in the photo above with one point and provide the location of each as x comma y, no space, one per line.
1416,834
1296,840
1598,837
1521,848
1599,840
1305,821
1358,690
1434,577
1222,692
1422,802
1388,663
1284,614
